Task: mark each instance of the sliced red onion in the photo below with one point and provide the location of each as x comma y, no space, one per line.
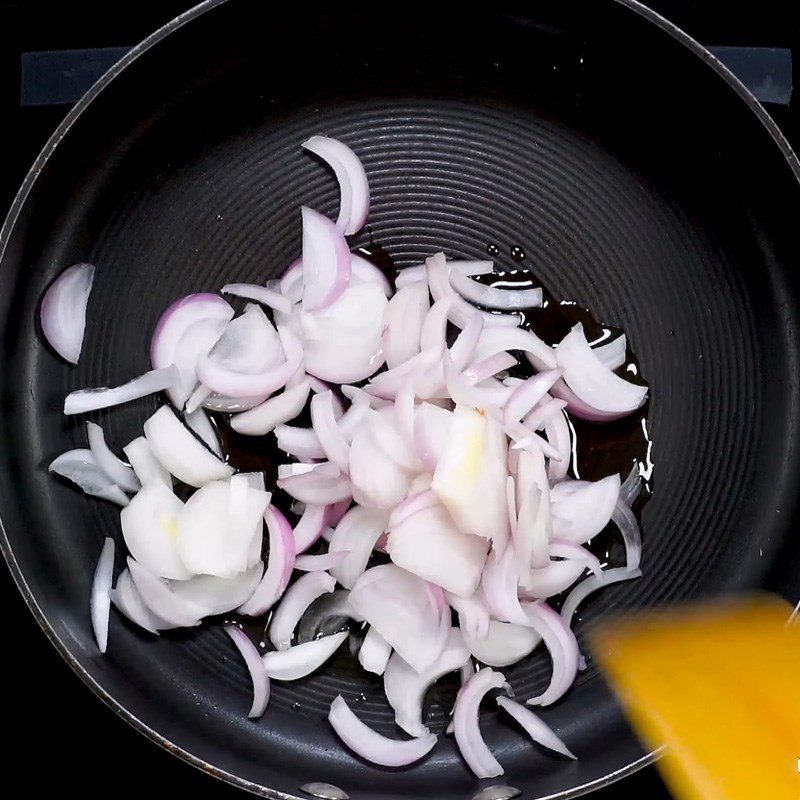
405,316
592,584
126,598
320,387
408,275
309,528
294,604
562,549
219,595
499,584
498,340
490,297
466,342
396,603
323,419
488,367
624,519
528,394
534,520
147,467
361,271
378,481
356,534
149,527
323,561
264,418
583,513
326,261
291,282
321,486
80,467
180,452
540,732
542,414
505,643
252,660
116,470
593,382
557,432
302,659
556,577
279,566
393,441
613,353
62,312
389,383
466,724
434,327
302,443
416,501
562,646
288,470
374,653
217,526
260,294
338,510
195,343
479,397
473,615
93,399
631,486
370,745
429,544
161,600
199,422
101,593
211,401
525,439
354,204
405,688
578,408
431,433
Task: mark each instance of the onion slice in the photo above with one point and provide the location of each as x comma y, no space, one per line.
323,419
504,643
624,519
161,600
260,294
370,745
322,485
297,599
147,467
80,467
199,422
275,411
258,675
592,584
62,313
101,593
309,528
357,533
535,728
126,598
491,297
326,261
156,380
562,646
374,653
323,561
302,659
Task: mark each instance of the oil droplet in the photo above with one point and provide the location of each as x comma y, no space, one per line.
517,253
219,216
295,706
493,250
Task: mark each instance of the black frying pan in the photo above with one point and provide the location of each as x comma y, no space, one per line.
639,177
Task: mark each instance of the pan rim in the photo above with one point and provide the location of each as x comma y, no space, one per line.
9,223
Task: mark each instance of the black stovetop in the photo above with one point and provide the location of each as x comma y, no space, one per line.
57,732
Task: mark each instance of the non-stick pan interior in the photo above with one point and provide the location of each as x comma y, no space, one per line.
634,178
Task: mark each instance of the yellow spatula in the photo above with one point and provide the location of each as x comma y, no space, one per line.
719,687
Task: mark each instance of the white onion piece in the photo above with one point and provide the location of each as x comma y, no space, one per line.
322,485
433,333
408,275
488,367
416,501
486,396
528,394
291,282
490,297
405,316
62,313
314,518
542,414
323,561
432,426
195,343
526,439
613,353
279,565
505,643
582,514
557,432
147,467
356,533
119,473
219,595
252,660
260,294
199,422
127,600
378,481
631,486
212,401
361,271
562,646
561,549
149,527
353,186
593,382
80,467
393,441
370,745
217,526
101,593
326,261
499,584
273,412
161,600
300,595
302,659
302,443
540,732
466,342
466,725
470,477
388,384
498,340
405,688
180,452
592,584
398,605
93,399
556,577
323,420
534,521
624,519
473,615
374,653
429,544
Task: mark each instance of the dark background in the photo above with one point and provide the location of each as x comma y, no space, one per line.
58,733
